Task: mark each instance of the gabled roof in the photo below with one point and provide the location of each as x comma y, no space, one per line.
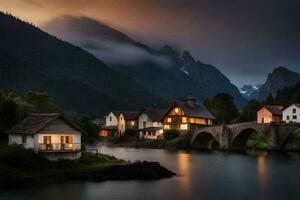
274,109
155,114
116,113
130,115
35,122
297,104
198,110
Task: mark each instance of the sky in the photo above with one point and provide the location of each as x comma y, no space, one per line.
245,39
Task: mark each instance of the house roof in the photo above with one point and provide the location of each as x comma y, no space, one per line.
130,115
198,110
99,121
274,109
297,104
35,122
155,114
115,112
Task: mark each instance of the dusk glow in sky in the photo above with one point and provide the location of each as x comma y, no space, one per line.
245,39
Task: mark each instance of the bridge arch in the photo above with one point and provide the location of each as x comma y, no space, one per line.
239,141
289,136
205,140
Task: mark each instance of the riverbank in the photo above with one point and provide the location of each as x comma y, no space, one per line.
181,142
18,165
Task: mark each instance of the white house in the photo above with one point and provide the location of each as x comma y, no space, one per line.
291,113
111,119
149,124
49,134
110,124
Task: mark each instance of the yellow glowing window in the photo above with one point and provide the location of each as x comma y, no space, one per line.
183,126
132,123
169,120
176,110
167,127
67,139
184,120
200,121
192,120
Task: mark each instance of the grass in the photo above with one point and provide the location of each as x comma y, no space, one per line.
257,142
293,141
17,163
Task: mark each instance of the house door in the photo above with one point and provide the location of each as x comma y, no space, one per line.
47,142
66,141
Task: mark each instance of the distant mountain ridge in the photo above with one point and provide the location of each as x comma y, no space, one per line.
165,72
78,82
250,91
280,78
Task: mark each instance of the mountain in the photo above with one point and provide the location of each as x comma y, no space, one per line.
31,59
288,95
281,77
166,72
250,91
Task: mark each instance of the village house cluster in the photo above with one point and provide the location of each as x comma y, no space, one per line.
278,114
56,137
151,122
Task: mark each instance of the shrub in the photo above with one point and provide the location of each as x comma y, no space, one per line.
171,134
18,157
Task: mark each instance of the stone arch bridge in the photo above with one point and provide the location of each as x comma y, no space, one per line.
235,136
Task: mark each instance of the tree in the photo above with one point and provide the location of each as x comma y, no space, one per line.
41,102
270,100
15,108
7,111
92,130
249,111
222,107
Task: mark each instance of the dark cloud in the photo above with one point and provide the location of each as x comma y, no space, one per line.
245,39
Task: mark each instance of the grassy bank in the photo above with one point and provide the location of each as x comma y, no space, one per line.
20,165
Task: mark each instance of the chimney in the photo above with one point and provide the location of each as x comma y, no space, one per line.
190,100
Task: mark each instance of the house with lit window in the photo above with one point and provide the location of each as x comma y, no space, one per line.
127,120
51,135
149,124
291,113
269,113
186,115
110,125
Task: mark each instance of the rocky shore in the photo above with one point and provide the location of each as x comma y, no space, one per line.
135,171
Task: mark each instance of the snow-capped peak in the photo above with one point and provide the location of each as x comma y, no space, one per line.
184,70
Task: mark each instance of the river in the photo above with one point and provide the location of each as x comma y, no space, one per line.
201,175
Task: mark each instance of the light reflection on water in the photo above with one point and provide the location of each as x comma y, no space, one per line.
201,175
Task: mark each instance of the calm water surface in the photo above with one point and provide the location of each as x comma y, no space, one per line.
214,175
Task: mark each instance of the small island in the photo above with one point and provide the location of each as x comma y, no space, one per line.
23,166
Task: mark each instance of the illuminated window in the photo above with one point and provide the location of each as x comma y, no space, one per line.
192,120
167,127
176,110
169,120
184,120
183,126
103,133
200,121
132,123
67,139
